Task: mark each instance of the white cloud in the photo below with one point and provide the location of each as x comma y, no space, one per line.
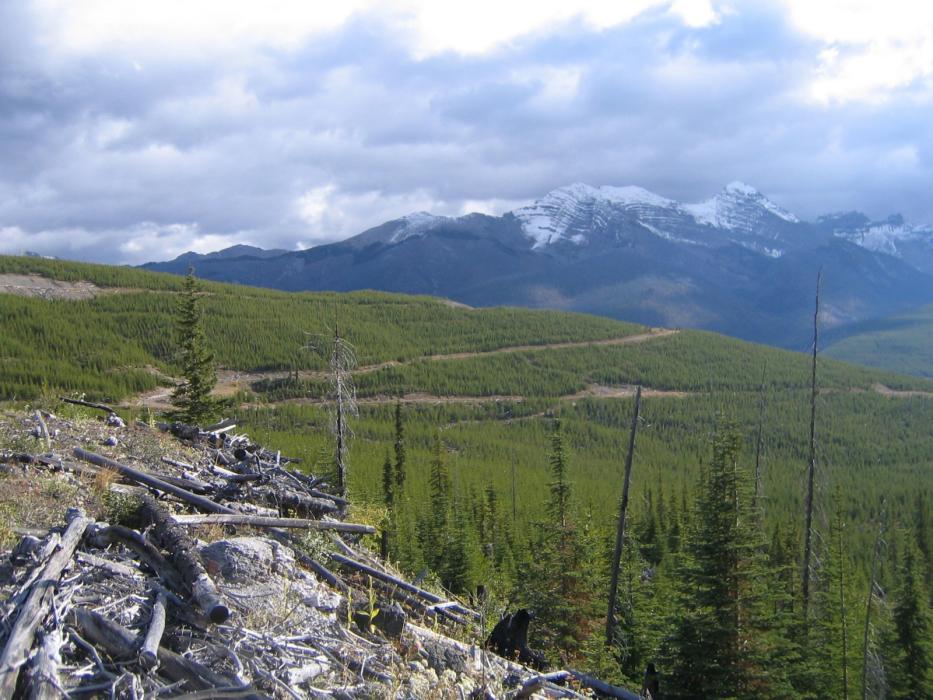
478,26
872,48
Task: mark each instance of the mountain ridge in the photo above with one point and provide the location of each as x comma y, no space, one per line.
737,263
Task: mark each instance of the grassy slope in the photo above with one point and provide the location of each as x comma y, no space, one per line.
902,343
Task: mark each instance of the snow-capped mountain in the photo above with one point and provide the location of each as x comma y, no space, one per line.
737,263
739,214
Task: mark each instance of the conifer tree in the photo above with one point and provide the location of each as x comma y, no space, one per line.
913,629
399,448
192,398
437,533
725,636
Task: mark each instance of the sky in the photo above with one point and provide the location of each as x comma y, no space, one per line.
136,130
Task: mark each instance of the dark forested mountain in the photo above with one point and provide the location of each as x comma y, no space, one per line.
736,263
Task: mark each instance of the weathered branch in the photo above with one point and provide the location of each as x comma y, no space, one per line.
36,607
411,588
88,404
118,642
261,521
149,650
153,482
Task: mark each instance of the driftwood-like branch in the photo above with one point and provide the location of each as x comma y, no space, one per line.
184,555
44,683
261,521
36,607
148,652
88,404
118,642
142,548
153,482
411,588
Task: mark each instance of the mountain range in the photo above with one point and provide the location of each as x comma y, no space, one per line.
736,263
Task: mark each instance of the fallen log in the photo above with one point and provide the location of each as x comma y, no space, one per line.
36,607
153,482
149,650
547,680
401,583
185,557
44,683
602,687
118,642
299,503
88,404
225,424
261,521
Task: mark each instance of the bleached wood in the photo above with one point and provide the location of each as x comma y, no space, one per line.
36,607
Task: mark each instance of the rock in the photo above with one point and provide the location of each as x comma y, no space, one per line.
245,560
114,421
110,442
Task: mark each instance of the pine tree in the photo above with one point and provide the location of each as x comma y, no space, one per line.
725,634
913,628
436,530
192,398
399,448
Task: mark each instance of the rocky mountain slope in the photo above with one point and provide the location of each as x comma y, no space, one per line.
736,263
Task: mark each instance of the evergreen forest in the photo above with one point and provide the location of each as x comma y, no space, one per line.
489,448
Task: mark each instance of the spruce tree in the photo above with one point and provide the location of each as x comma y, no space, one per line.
726,637
191,398
913,629
399,448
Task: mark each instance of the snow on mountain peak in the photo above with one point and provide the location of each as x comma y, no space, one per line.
415,224
560,212
737,187
737,207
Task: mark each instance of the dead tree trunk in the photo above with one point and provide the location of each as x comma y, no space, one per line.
620,531
182,553
758,436
36,607
811,471
44,683
871,592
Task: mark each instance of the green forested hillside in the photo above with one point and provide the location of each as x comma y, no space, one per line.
902,343
102,346
474,484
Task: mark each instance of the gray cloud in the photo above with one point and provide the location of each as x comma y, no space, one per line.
124,158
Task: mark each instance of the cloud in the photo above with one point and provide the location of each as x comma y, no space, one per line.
135,131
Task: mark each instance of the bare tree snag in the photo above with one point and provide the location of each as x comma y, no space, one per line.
871,593
36,607
184,555
620,531
811,470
